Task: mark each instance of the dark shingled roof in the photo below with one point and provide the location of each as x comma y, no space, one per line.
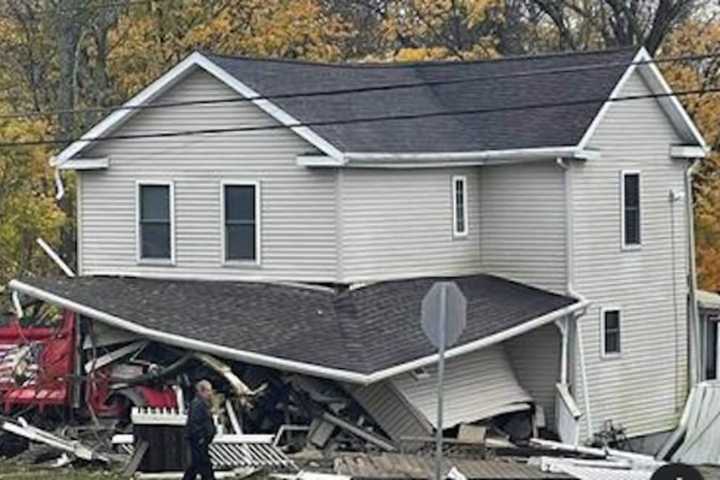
545,127
362,330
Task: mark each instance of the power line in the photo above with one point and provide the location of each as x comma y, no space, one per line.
376,88
209,131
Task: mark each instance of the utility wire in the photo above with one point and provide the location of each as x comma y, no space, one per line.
375,88
371,119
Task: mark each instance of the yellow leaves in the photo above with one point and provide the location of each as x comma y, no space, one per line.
27,205
705,110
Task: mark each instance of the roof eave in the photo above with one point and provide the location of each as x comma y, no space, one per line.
284,364
443,159
116,119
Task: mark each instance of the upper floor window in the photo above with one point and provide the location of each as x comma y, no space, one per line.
241,208
155,221
459,193
631,215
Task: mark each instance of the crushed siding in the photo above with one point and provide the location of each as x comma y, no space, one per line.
535,358
398,223
298,204
522,223
644,389
477,385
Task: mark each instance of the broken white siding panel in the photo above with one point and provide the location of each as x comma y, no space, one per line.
399,223
297,205
643,388
477,385
535,358
391,410
522,221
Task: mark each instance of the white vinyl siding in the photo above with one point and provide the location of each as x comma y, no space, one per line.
298,204
644,389
477,385
522,223
535,358
399,223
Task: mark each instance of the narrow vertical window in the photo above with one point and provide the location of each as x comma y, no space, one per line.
610,329
240,205
155,222
460,226
631,209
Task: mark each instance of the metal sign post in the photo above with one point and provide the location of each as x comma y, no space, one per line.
443,320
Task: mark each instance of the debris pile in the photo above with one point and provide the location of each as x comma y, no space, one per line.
89,393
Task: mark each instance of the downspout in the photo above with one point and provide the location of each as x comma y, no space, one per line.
569,276
694,373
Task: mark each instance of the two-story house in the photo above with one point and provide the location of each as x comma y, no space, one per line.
293,215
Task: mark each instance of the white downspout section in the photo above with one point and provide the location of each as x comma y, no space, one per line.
569,275
694,359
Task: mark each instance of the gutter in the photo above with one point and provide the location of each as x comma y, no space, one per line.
694,360
570,274
282,364
441,159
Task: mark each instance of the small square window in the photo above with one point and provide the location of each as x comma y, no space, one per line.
610,331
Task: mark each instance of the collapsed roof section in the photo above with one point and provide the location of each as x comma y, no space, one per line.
362,335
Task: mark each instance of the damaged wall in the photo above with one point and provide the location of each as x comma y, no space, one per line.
477,385
535,358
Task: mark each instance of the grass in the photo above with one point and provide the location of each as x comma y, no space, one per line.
13,471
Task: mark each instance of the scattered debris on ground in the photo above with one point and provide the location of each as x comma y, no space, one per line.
76,393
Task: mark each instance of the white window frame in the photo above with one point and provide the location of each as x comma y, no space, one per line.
603,353
455,179
623,245
258,224
138,238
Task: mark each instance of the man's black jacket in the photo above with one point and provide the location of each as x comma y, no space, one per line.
200,428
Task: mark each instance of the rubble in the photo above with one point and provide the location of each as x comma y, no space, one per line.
92,393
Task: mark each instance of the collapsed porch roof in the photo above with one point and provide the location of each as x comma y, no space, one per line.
362,335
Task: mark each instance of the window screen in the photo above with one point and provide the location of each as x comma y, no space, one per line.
240,222
631,206
611,332
155,222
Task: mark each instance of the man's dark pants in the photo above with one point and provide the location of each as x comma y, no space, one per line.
199,463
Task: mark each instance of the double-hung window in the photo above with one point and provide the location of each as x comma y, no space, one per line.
155,221
241,222
460,216
631,204
610,331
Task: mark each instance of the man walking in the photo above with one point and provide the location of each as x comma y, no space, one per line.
199,432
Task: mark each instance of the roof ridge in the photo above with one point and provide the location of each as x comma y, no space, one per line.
427,63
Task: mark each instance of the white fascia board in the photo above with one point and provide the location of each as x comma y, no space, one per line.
464,159
290,365
86,164
687,151
657,85
318,161
172,77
